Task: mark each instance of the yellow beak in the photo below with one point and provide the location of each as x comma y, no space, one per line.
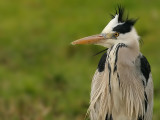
89,40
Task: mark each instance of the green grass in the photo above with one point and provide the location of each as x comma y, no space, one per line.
43,77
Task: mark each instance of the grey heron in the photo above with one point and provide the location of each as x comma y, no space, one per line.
122,87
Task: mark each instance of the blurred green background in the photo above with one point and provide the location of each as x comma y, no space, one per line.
43,77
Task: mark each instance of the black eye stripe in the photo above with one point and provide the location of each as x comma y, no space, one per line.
125,27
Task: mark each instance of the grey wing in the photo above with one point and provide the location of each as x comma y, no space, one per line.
99,74
96,81
95,90
97,86
148,85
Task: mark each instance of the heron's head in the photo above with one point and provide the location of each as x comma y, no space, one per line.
118,30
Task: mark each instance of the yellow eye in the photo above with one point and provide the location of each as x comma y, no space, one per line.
116,34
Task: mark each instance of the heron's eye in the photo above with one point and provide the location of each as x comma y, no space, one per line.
116,34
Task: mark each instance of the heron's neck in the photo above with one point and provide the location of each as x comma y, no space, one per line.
126,53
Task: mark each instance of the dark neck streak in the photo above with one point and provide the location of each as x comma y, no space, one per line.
109,69
120,45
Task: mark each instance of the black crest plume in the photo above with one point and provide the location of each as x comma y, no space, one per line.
120,11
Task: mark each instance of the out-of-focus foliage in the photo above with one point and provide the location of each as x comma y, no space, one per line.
43,77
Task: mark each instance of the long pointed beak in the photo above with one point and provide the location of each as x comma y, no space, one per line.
89,40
